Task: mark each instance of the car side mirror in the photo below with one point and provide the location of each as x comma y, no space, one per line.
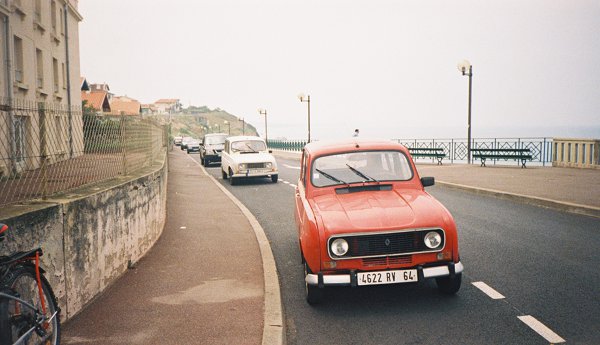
427,181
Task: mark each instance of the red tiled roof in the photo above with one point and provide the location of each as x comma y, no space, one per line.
97,100
125,105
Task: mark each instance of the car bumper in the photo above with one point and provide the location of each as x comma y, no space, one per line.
193,149
259,173
213,158
350,279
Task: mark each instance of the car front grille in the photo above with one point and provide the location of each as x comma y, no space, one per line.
387,260
386,244
256,165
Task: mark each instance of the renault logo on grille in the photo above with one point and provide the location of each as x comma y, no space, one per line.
387,242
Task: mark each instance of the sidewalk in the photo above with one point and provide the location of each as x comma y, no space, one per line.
567,189
201,283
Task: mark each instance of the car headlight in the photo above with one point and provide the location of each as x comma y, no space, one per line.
432,240
339,247
242,166
268,165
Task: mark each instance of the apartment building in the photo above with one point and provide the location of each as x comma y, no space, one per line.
39,46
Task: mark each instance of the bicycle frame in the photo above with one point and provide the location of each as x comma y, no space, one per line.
40,322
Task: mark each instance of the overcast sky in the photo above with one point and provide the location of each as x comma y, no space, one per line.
386,67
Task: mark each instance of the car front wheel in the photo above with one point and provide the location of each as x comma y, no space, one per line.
223,174
314,295
274,178
449,286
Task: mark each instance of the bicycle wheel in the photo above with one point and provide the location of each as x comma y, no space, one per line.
22,280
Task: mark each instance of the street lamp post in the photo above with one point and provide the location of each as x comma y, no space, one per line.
228,126
264,112
306,98
243,126
463,66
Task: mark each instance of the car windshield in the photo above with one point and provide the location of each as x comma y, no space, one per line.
215,140
356,167
248,146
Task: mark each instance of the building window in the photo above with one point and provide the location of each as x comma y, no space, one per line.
64,76
19,131
55,74
53,15
38,11
62,21
39,60
18,59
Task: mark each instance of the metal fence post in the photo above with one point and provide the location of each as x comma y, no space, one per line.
43,149
122,143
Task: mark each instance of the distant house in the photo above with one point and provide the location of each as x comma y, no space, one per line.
97,100
168,106
123,105
102,87
149,109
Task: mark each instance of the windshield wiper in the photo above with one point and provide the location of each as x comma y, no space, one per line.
250,147
363,175
330,177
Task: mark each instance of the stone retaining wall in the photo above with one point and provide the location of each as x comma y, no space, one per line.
90,236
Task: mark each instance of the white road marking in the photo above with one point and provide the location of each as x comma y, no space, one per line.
541,329
291,167
286,182
488,290
293,185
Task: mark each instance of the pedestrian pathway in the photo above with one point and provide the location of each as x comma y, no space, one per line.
201,283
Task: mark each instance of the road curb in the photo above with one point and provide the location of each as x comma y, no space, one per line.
527,199
273,317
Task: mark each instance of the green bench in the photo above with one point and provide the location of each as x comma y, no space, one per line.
522,155
428,152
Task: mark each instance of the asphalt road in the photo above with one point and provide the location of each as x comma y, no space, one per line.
542,263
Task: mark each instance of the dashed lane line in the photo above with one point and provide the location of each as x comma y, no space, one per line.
291,167
541,329
488,290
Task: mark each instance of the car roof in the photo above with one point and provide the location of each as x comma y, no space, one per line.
215,134
354,144
245,137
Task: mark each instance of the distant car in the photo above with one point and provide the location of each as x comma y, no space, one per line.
364,218
177,140
211,148
193,146
184,142
247,156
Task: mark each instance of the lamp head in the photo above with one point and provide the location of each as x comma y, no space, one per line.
301,97
463,66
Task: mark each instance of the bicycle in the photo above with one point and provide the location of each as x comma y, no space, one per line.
28,311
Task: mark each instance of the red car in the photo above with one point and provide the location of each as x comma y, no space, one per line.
364,218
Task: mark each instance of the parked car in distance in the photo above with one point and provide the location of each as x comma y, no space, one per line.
247,156
177,140
211,147
364,218
184,142
193,146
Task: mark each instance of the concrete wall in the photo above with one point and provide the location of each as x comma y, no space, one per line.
91,235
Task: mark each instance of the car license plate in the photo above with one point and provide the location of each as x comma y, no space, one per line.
386,277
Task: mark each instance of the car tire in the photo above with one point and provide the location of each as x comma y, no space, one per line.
449,286
188,151
314,294
232,180
223,174
274,178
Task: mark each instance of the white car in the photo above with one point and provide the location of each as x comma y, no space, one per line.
247,156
